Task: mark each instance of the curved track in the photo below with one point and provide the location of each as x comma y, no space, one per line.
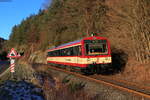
124,86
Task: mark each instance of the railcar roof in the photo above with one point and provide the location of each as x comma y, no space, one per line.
69,43
73,42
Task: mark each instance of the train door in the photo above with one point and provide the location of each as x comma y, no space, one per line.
77,54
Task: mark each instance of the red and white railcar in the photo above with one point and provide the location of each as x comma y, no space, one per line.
87,53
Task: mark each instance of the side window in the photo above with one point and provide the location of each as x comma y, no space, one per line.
87,48
68,52
77,50
80,51
53,53
63,52
71,51
60,53
49,54
56,53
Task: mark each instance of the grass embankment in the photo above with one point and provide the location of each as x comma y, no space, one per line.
60,89
5,76
53,88
135,72
56,89
22,72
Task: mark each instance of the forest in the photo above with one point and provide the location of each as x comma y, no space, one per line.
1,42
124,22
3,52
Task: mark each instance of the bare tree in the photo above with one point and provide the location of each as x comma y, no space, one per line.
135,17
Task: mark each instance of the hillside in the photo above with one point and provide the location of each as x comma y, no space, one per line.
125,23
62,22
3,52
1,42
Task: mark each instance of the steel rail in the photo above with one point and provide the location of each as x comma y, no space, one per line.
123,81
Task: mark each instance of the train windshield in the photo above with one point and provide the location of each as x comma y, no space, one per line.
96,47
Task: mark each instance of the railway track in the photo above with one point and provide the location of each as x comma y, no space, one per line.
123,86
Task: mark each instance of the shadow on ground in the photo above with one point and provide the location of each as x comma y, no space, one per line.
119,60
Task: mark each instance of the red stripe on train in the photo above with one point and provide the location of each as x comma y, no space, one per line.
83,56
70,64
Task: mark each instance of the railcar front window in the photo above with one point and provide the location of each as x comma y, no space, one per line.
96,47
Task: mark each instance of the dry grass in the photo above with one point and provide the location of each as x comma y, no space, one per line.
138,73
55,88
135,72
62,92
